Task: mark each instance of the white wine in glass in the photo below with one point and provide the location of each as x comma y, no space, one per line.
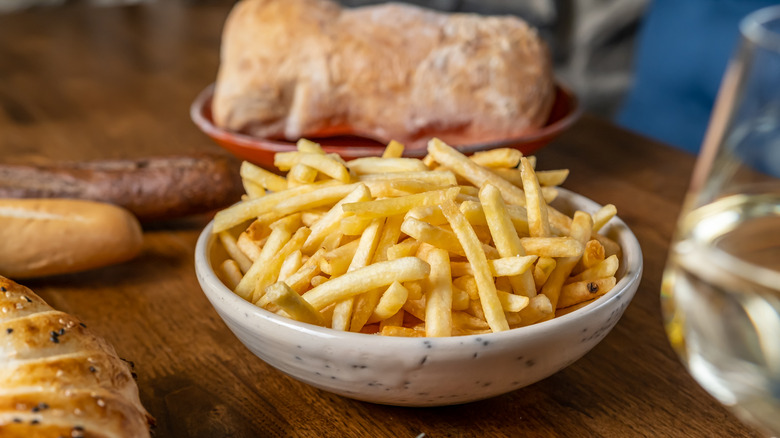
721,287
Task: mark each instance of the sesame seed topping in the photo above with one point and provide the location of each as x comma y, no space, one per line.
9,330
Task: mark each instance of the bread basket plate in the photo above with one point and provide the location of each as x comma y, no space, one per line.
260,151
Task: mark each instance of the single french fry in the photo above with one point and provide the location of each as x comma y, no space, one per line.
322,163
552,246
281,295
566,310
585,290
390,303
318,280
405,332
536,207
230,244
400,205
366,165
511,302
606,268
437,178
252,189
552,177
364,253
542,270
505,237
391,232
416,308
581,227
491,305
411,186
332,241
290,265
262,177
276,240
439,237
310,217
438,296
430,162
460,299
502,267
475,309
336,261
301,174
393,149
396,320
602,216
230,273
466,321
473,172
593,254
469,191
468,284
326,196
430,214
353,225
414,288
499,157
366,302
269,272
370,277
475,214
306,145
243,211
329,222
538,308
249,247
511,175
301,279
403,249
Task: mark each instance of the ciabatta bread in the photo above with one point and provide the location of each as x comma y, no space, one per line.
298,68
57,378
57,236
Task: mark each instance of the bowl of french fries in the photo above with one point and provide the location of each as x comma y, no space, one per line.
416,282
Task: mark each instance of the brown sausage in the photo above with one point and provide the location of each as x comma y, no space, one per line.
153,189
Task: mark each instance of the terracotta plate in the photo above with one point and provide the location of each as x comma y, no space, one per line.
260,151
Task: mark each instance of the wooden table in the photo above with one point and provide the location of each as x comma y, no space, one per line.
81,83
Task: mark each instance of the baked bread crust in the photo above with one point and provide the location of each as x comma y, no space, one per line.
299,68
59,379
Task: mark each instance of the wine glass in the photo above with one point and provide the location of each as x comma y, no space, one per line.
721,288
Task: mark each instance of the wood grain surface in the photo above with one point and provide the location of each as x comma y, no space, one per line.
79,83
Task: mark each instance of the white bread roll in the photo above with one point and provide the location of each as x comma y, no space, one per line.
57,236
57,378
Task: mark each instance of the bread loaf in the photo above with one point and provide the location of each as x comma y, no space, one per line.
57,378
56,236
301,68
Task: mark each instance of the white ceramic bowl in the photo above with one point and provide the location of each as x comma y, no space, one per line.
425,371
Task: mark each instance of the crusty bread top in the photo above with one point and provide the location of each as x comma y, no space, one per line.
57,378
392,71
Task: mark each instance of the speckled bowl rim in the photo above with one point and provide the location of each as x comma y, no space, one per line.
632,254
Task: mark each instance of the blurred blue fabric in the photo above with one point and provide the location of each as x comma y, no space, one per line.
682,53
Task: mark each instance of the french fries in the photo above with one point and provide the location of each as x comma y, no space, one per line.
444,246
